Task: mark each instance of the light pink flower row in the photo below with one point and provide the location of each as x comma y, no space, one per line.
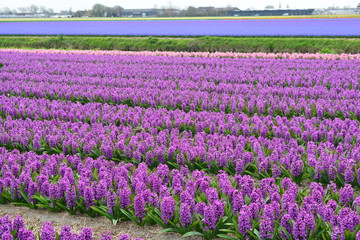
196,54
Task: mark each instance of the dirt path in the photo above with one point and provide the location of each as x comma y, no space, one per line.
35,219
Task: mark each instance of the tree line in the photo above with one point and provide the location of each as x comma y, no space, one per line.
100,10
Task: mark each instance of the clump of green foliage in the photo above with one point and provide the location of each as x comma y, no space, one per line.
189,44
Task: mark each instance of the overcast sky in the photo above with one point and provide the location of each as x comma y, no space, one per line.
242,4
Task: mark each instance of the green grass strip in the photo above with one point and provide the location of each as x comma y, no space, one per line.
189,44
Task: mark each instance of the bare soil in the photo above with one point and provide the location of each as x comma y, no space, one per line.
35,219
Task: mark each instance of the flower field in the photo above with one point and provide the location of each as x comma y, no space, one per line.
349,27
217,145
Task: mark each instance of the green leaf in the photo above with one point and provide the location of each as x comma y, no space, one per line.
173,165
226,237
41,199
20,204
227,230
193,233
57,150
252,234
28,203
257,233
157,219
43,205
169,230
62,206
251,173
319,234
287,234
132,218
102,213
115,221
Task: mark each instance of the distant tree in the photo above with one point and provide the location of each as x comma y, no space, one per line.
229,7
80,13
333,8
83,13
98,10
117,11
108,12
24,9
34,8
190,12
169,11
43,9
347,7
268,7
5,10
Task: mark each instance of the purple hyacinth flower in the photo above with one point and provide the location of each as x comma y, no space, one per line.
124,197
7,236
26,234
199,208
86,234
244,221
209,217
185,215
267,228
48,232
346,194
285,223
139,206
124,237
66,234
18,223
111,201
167,209
106,236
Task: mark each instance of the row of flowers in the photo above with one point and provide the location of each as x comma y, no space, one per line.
294,91
15,229
312,129
335,159
188,101
191,203
195,54
210,75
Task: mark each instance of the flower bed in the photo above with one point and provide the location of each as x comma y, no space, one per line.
237,148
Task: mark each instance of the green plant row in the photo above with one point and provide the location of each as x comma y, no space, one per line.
199,44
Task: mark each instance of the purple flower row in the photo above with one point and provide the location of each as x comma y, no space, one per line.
295,77
15,229
221,75
309,27
314,129
326,151
177,198
264,104
288,87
